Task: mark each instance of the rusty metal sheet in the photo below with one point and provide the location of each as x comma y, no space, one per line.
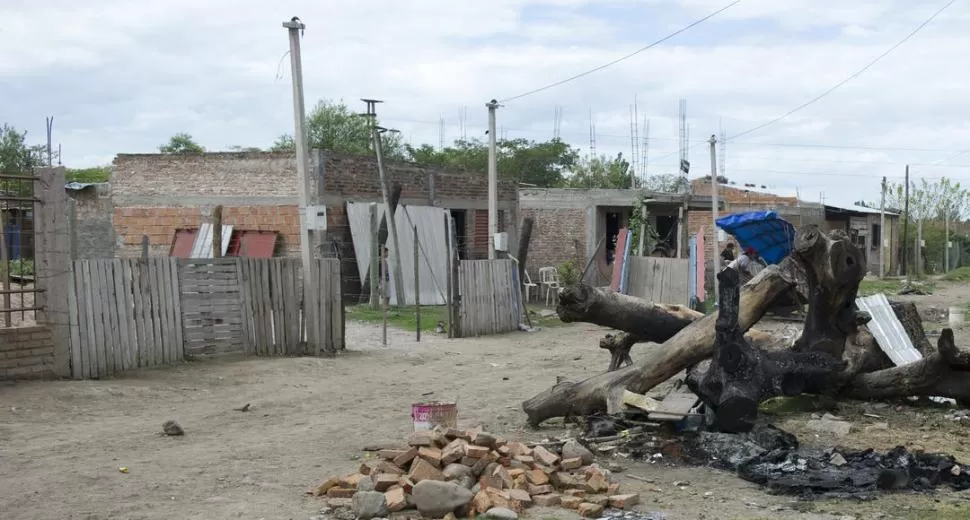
257,244
888,331
182,243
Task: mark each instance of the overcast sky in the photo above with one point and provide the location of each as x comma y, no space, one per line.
123,76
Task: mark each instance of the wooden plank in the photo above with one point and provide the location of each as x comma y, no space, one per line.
266,307
276,296
77,368
176,295
120,314
168,308
97,324
336,334
160,354
253,289
289,311
131,352
243,307
79,326
327,344
138,311
107,327
90,344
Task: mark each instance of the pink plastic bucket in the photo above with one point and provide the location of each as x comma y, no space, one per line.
426,416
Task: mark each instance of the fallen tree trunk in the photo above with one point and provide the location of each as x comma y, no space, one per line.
640,321
689,346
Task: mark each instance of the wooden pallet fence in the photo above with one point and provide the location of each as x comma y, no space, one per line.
212,316
489,302
272,298
124,314
660,280
324,319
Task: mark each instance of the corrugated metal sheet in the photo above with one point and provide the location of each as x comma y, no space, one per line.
256,244
432,254
888,331
202,248
182,243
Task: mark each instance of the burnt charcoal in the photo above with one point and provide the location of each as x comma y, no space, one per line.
772,458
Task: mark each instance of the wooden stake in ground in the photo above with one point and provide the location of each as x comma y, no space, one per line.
417,288
217,232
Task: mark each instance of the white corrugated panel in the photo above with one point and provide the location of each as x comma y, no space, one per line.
202,247
432,260
888,331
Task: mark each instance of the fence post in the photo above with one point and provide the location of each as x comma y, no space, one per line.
5,271
217,232
144,246
455,309
384,293
417,287
52,264
448,279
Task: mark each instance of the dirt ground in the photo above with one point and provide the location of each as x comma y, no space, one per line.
62,444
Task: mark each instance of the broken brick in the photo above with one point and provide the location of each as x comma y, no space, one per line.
323,488
384,481
597,483
396,500
587,510
388,467
406,483
504,451
566,480
476,452
480,466
520,495
520,482
340,503
423,470
624,501
599,500
574,493
341,492
547,500
525,459
364,469
498,497
571,502
518,448
571,464
537,477
453,452
351,481
613,489
515,472
405,458
421,438
432,455
545,456
481,502
455,433
540,490
503,474
390,454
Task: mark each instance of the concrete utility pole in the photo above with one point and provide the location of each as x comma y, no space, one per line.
388,211
295,27
905,264
715,243
882,231
492,179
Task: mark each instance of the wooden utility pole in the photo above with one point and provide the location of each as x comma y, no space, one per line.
715,245
388,210
375,257
217,232
882,231
295,27
904,262
492,179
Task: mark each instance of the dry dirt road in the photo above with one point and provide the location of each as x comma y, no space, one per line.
62,443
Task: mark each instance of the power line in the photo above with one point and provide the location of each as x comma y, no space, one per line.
632,54
852,76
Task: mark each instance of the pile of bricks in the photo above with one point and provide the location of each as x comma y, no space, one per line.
499,474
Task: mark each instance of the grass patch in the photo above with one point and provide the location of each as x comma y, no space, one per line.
405,317
19,267
870,287
960,274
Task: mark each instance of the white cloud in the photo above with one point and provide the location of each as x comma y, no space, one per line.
122,76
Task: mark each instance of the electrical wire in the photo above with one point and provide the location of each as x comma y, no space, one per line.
852,76
628,56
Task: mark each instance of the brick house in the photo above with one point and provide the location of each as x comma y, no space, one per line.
570,223
157,195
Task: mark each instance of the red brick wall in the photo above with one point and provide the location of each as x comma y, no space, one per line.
26,353
169,192
558,235
734,200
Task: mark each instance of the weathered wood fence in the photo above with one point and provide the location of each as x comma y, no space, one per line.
490,297
661,280
127,314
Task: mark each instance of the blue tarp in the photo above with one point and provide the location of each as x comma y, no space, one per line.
770,235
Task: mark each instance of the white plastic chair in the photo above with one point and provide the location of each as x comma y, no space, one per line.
549,280
528,284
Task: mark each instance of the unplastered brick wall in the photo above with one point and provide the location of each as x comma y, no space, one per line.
558,235
94,220
156,194
734,200
26,353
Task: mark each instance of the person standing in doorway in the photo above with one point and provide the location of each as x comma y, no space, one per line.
727,254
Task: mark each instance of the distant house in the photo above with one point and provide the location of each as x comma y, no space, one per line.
864,226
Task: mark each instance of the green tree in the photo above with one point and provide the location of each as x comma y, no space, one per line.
89,175
667,183
181,144
333,126
16,156
930,203
601,172
543,164
238,148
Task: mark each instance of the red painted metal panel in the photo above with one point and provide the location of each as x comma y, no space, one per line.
618,260
182,243
257,244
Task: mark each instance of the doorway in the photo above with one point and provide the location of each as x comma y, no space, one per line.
461,231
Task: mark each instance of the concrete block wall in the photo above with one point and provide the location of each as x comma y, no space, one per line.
26,353
94,222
